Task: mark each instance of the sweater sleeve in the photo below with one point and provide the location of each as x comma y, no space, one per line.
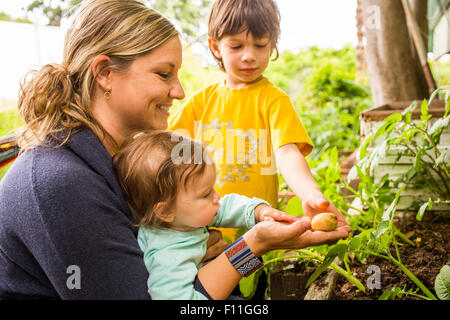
237,211
83,239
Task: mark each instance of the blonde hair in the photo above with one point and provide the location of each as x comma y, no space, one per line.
55,101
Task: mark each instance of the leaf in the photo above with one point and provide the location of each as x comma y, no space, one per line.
382,227
363,149
418,160
352,174
421,211
433,95
325,264
410,109
442,283
389,213
294,207
424,110
248,285
447,103
394,118
354,243
332,253
441,123
441,158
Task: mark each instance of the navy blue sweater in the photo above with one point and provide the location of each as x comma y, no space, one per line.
65,228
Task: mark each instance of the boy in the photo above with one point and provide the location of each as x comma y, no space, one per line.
246,120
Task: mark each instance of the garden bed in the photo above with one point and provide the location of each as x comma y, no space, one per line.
424,261
432,236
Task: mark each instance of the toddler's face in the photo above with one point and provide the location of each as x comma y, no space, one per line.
198,204
244,57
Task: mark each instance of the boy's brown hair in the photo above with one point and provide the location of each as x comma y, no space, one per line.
258,17
151,167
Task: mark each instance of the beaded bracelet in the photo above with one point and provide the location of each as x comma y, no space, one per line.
242,258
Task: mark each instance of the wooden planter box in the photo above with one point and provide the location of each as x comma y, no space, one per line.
371,118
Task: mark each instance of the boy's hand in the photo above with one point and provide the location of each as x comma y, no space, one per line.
266,213
315,203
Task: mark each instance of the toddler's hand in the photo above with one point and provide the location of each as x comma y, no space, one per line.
266,213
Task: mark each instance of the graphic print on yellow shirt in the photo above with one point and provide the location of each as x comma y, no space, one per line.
243,129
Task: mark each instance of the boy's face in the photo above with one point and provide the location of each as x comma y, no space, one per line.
244,57
198,204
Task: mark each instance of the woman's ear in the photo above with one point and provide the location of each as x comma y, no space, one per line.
100,71
214,47
162,211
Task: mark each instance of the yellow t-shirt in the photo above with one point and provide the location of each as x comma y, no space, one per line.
244,127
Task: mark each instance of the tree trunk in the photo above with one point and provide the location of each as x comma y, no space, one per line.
419,11
395,72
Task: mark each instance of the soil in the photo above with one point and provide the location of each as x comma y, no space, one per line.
424,261
432,237
288,280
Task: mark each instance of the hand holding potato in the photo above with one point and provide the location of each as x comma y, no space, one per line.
315,203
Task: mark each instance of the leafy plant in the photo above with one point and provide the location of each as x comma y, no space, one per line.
418,140
328,92
442,283
374,233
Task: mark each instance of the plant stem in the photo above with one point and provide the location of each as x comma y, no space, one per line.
407,272
354,208
403,237
336,268
413,278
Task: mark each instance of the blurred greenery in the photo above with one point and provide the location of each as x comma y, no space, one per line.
9,121
328,92
441,72
325,85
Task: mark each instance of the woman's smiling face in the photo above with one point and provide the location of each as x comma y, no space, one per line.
142,95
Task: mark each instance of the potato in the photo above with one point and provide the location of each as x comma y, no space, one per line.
326,221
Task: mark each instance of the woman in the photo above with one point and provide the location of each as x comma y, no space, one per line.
65,229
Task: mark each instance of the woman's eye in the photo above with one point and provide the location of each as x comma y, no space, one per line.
207,195
163,75
235,47
261,45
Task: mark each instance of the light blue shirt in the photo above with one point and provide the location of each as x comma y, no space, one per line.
173,257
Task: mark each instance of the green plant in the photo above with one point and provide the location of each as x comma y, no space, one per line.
374,232
328,92
418,140
442,283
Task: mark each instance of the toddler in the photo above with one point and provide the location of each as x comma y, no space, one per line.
168,181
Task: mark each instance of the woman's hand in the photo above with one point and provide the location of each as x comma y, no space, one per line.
271,235
215,245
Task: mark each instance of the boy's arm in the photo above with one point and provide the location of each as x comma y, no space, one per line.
295,170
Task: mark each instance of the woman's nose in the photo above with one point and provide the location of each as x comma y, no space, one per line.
177,91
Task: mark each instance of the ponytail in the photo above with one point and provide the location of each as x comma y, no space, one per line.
56,101
52,108
44,104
